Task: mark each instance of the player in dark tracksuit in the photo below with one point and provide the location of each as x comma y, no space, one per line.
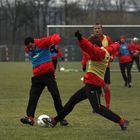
94,81
43,71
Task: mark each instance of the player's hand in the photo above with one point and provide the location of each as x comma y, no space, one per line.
53,49
84,68
78,35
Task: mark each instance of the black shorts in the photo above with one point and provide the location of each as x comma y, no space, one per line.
107,76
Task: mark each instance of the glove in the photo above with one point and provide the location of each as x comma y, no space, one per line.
84,68
62,58
53,49
78,35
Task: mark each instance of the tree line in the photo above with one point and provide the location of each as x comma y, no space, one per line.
21,18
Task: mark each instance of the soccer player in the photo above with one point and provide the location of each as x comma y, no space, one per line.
135,52
43,75
106,41
94,81
124,58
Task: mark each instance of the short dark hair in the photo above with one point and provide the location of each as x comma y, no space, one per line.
97,23
95,40
28,40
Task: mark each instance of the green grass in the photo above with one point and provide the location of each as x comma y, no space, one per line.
83,124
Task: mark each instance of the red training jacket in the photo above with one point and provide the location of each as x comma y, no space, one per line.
44,42
97,54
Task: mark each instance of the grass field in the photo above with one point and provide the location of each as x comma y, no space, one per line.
83,124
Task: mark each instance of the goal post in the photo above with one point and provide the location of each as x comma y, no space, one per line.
69,42
89,26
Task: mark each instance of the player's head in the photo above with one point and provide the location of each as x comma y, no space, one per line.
95,40
123,38
29,43
97,29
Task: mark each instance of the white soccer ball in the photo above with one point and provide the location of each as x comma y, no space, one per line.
40,121
62,69
82,78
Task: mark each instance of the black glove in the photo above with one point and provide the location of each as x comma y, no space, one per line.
62,58
53,49
84,68
78,35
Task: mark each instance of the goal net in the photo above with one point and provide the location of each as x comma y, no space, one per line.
69,43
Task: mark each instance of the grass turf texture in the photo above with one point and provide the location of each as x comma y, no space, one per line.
83,124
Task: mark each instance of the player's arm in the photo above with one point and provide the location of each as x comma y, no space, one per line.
113,49
133,49
46,42
92,50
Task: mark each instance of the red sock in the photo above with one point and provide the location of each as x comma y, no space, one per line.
121,122
31,118
107,98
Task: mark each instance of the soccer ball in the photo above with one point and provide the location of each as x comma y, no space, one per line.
62,69
82,78
40,121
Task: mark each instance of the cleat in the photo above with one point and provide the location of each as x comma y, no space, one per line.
63,122
27,120
130,85
124,125
51,121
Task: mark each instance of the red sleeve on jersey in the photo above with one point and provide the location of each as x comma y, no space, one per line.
55,39
43,42
47,41
113,48
93,51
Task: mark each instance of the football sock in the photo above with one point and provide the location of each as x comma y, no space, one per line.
107,98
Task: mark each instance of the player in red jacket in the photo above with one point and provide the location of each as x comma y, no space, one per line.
135,52
94,81
43,75
124,58
106,41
